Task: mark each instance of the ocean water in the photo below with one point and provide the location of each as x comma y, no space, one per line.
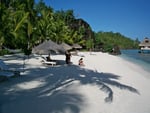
141,59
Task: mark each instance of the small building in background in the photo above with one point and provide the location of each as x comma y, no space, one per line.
145,46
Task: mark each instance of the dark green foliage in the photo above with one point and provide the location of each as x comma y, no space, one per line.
27,51
4,52
25,24
106,41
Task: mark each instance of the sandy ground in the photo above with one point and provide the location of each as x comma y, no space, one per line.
106,84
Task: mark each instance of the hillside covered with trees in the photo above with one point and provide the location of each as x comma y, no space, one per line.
108,40
25,24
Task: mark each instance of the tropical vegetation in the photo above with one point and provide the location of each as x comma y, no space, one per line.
25,24
109,40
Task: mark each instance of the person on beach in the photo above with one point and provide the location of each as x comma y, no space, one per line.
81,62
48,58
68,57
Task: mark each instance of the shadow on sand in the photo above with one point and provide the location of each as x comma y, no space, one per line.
50,95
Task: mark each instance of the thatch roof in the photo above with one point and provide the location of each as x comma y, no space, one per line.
76,46
145,42
65,46
46,47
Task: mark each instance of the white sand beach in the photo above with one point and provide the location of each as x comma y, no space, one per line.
106,84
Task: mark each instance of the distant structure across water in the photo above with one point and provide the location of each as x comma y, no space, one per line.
145,46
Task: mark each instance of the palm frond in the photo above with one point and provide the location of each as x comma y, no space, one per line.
22,20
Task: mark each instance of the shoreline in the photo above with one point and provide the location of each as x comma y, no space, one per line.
106,84
143,64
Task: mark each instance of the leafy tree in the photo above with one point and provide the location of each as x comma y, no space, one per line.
89,44
109,39
25,24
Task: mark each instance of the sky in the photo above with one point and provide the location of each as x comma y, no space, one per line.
131,18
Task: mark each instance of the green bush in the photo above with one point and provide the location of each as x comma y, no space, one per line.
4,52
107,48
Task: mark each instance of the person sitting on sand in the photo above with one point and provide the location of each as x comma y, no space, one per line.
81,62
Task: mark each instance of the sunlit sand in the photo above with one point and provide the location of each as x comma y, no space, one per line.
106,84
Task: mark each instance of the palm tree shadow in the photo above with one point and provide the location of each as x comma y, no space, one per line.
67,74
53,96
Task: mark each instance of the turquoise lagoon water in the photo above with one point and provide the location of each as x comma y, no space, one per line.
141,59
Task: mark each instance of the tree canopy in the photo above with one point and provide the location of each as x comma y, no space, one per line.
25,24
108,40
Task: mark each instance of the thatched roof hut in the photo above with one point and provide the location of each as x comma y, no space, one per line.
46,48
76,46
65,46
145,43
